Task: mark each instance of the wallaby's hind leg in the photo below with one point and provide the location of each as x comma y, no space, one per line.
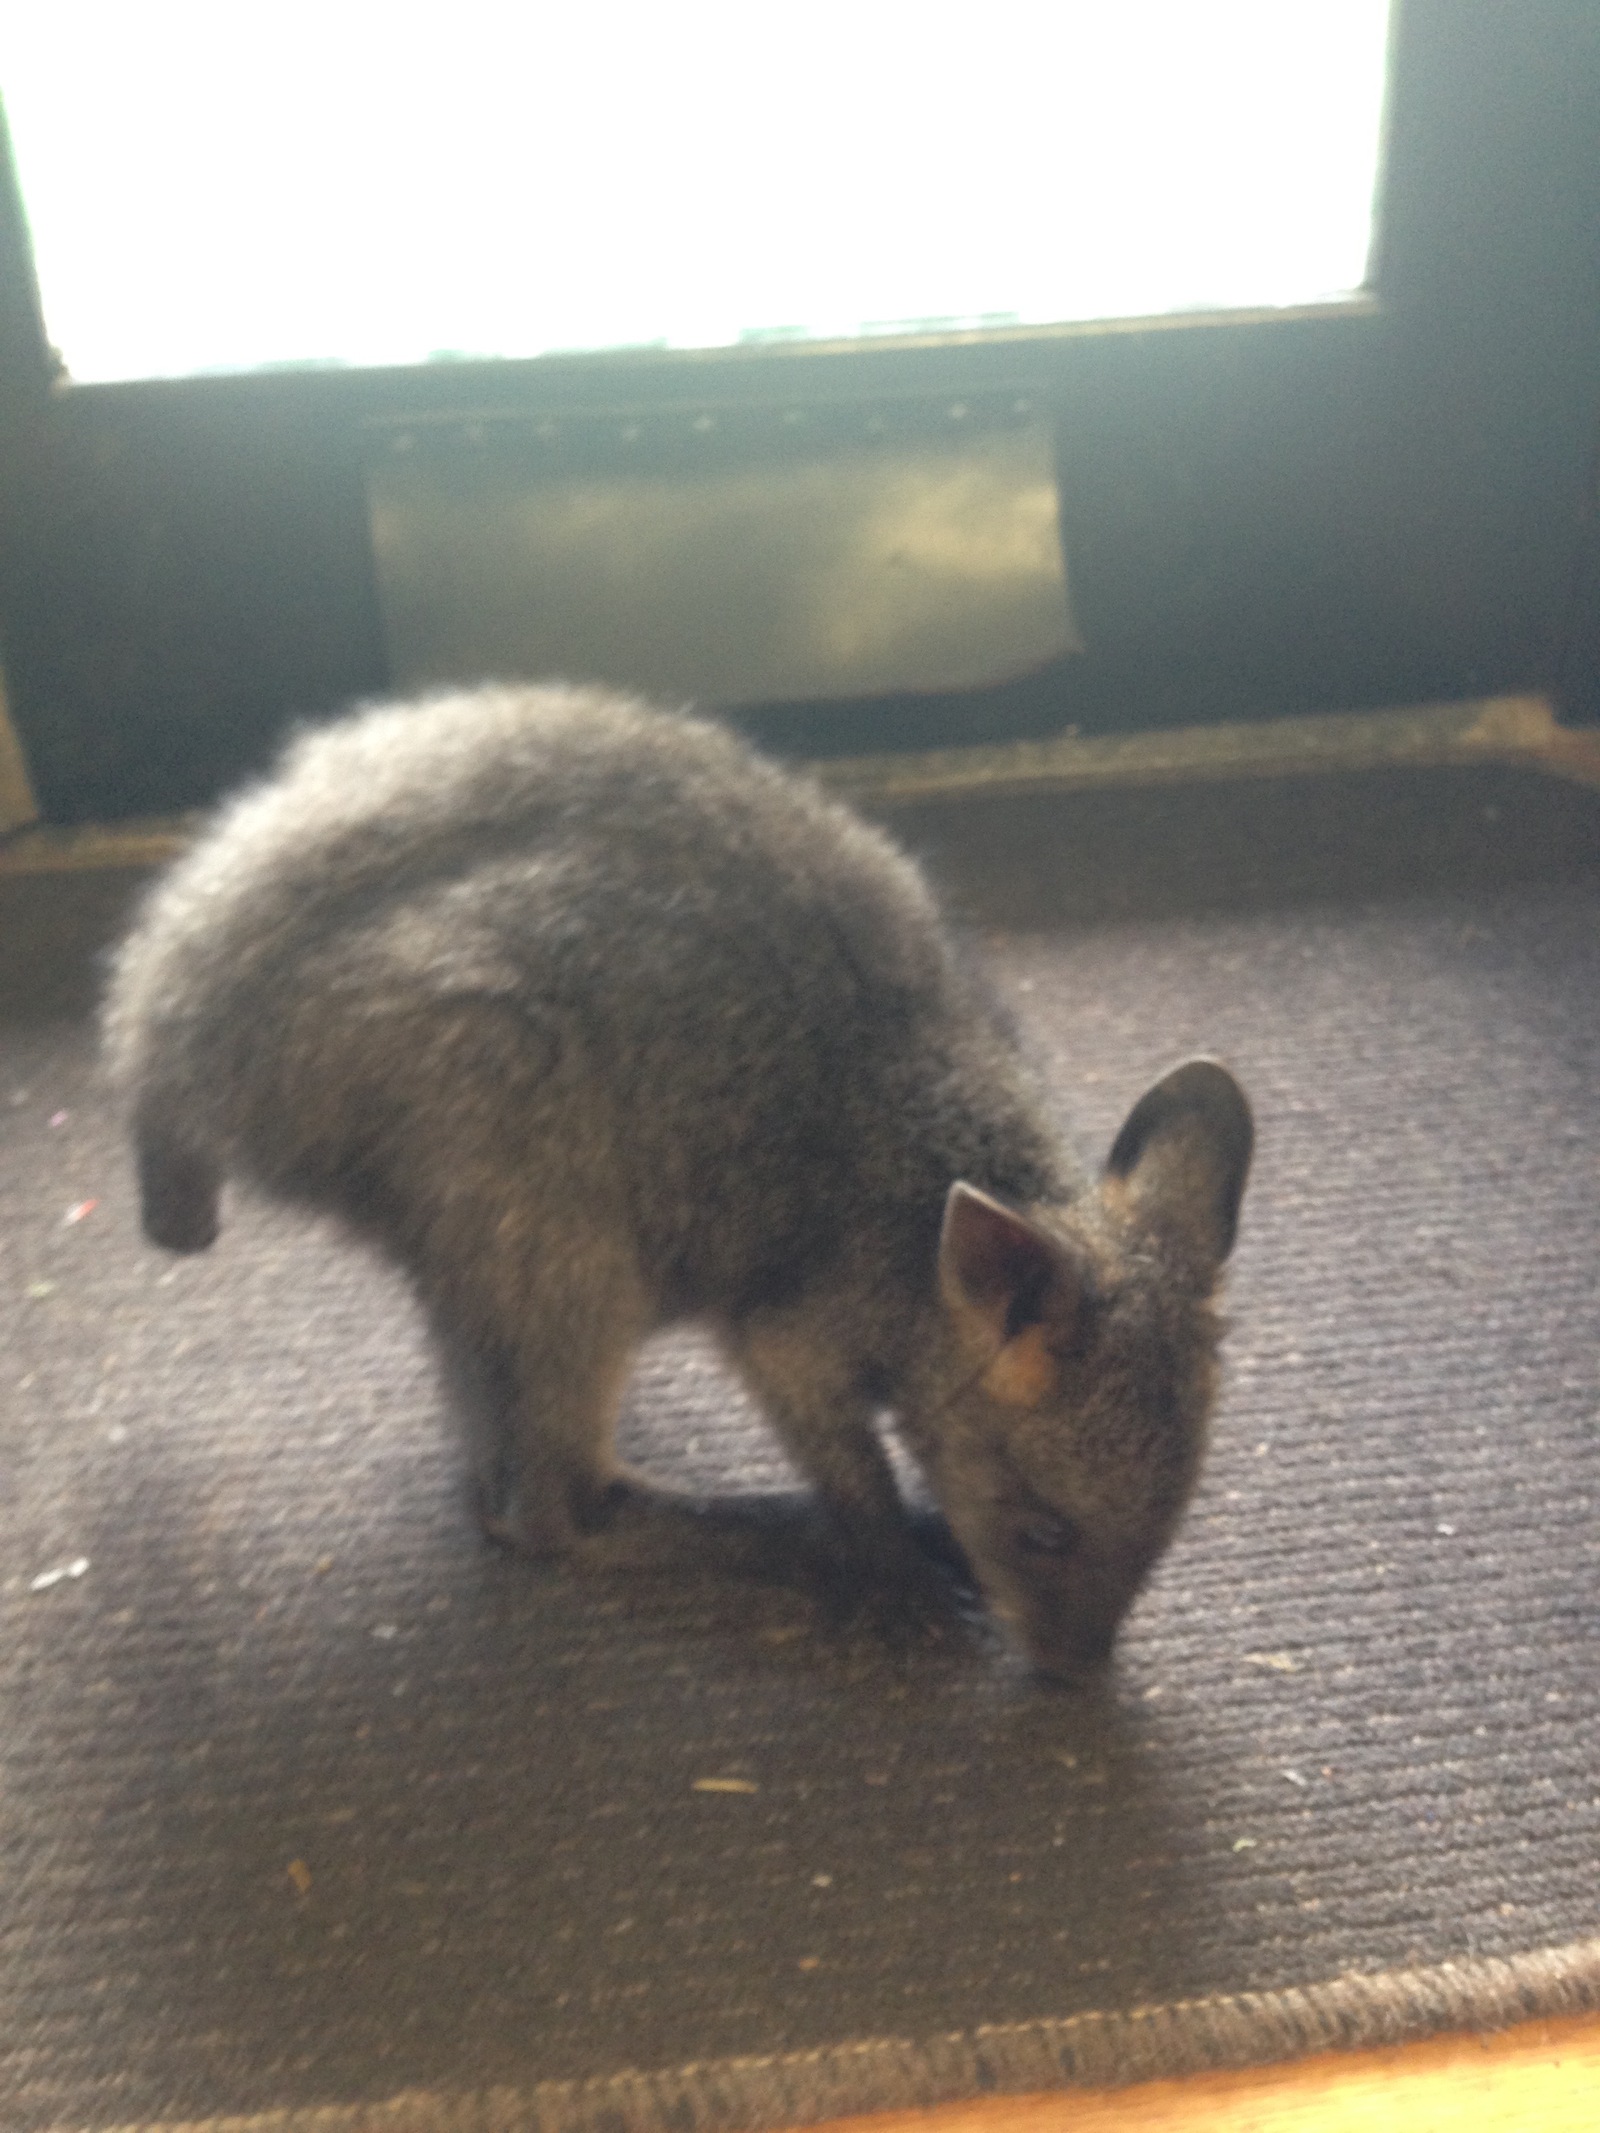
539,1402
546,1482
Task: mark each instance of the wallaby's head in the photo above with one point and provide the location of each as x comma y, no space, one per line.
1079,1367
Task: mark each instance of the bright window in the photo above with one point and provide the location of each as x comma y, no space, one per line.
220,187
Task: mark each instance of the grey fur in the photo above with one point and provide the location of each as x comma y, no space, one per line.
595,1020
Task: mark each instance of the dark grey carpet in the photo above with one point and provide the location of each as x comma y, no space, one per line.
308,1799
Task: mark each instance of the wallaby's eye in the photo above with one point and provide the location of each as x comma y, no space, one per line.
1047,1533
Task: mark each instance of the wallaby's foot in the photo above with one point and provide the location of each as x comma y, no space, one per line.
633,1525
908,1586
903,1586
499,1523
549,1523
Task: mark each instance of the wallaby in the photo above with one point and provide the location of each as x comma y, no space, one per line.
594,1020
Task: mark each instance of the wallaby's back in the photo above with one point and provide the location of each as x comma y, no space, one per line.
774,1035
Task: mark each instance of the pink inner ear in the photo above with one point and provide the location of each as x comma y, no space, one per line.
995,1259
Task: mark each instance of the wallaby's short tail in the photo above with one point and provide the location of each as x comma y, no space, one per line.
178,1185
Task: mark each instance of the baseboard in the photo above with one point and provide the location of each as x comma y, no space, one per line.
1516,730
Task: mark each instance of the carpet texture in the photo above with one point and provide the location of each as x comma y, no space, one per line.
312,1805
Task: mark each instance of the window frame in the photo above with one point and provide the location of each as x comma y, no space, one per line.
1350,506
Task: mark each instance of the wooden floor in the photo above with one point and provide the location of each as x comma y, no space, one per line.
1543,2077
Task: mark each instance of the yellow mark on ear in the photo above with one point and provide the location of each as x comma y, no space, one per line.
1114,1195
1024,1373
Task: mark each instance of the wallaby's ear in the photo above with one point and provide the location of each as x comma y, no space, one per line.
1015,1285
1183,1156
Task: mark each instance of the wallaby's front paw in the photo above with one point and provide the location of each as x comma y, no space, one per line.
931,1532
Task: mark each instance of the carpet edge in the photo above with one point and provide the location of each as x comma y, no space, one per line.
1093,2050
